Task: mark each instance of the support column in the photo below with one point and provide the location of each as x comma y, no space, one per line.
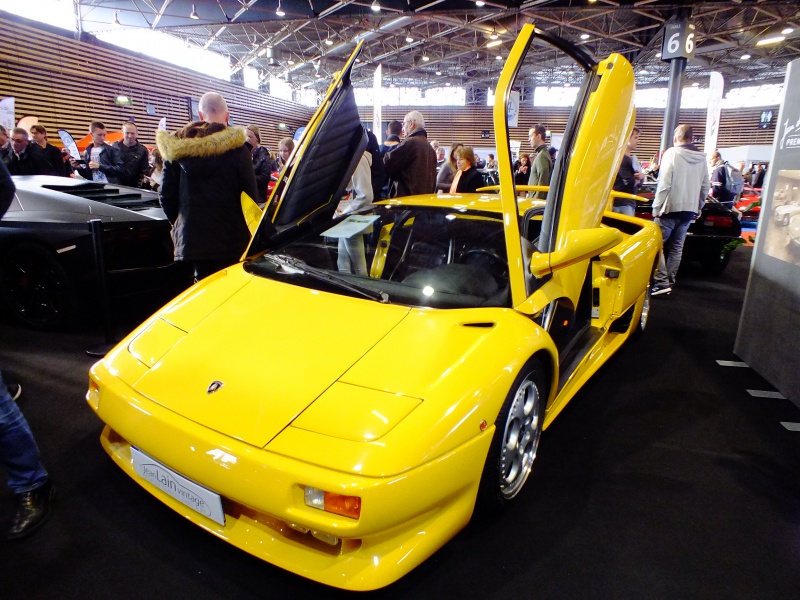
676,70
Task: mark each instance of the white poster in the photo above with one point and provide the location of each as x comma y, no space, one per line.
715,89
512,108
7,114
376,105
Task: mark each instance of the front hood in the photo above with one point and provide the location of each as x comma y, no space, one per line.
273,347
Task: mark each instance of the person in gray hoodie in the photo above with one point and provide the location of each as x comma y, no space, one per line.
683,185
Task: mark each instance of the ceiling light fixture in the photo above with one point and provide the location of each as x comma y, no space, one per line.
376,6
745,57
498,57
193,14
116,22
494,43
279,10
493,35
787,31
480,3
438,72
425,57
695,84
409,39
290,62
773,40
329,42
584,36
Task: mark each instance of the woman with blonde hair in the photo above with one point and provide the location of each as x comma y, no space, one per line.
467,179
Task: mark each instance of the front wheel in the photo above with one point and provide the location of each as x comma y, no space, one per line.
35,287
518,429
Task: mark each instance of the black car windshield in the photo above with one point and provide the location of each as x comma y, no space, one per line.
410,255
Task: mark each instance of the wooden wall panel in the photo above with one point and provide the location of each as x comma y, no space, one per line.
464,124
69,83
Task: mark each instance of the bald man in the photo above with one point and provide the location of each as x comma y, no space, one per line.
206,168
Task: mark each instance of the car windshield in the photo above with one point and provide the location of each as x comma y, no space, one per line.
399,254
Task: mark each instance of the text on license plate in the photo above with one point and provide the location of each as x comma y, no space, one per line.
196,497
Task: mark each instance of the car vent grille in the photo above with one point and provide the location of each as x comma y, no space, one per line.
130,199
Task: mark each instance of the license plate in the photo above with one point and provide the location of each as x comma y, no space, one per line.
196,497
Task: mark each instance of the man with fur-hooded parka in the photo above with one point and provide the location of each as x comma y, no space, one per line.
206,168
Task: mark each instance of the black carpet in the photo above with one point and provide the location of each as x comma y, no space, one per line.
663,478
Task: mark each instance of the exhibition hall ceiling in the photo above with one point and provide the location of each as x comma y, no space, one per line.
431,43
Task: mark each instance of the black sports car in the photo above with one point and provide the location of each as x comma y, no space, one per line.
711,238
51,264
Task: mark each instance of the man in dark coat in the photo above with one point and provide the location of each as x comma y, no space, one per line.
411,165
51,153
206,169
131,157
27,158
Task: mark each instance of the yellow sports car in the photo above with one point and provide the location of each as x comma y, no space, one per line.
340,402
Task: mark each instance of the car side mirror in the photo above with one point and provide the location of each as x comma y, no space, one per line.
581,244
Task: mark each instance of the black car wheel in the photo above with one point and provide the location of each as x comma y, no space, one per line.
516,439
35,286
714,263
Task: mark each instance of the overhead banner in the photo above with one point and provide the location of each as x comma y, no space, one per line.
377,128
716,86
7,113
767,339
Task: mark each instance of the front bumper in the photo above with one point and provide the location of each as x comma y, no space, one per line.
404,519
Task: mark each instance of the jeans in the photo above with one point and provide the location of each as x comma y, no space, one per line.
351,257
18,451
625,210
673,230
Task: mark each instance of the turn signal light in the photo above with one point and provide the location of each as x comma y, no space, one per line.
93,394
346,506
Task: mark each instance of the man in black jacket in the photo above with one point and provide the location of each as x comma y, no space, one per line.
411,165
131,157
100,163
27,158
51,153
206,168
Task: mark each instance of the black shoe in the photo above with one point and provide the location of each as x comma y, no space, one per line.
15,390
33,510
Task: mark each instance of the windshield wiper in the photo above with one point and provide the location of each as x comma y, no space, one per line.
293,265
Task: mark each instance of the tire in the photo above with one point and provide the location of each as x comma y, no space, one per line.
644,316
518,429
715,263
35,287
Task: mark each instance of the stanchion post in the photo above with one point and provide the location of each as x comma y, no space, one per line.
96,229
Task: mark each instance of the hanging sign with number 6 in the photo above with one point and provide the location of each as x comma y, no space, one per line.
678,40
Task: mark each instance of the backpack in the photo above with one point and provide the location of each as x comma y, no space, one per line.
734,180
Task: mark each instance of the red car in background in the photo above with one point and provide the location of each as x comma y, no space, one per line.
749,205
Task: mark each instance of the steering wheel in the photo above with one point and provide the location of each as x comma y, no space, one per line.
494,264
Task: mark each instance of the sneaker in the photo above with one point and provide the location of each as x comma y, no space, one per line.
15,390
660,290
